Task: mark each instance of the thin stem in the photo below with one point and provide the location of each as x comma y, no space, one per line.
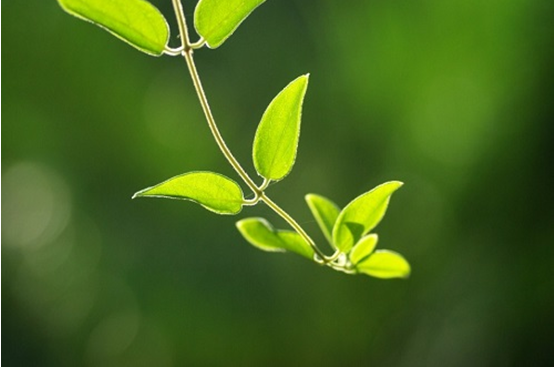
259,193
334,256
182,23
341,268
198,44
264,184
277,209
250,202
174,51
213,126
187,53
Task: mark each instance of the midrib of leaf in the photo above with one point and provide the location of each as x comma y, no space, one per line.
280,150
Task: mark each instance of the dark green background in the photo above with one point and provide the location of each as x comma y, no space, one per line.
455,98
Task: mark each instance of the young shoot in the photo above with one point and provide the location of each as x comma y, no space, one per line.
348,230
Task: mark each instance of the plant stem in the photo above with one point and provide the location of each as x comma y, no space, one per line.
277,209
236,165
213,126
182,23
187,53
188,49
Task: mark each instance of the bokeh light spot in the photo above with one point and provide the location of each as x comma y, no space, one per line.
36,205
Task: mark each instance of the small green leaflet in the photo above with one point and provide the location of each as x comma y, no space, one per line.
362,215
385,264
136,22
259,233
276,139
325,213
216,20
363,248
213,191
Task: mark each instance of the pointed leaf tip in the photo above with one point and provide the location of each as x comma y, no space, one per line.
136,22
276,140
362,214
213,191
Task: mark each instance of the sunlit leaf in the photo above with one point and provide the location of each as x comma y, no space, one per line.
276,139
363,248
259,233
216,20
385,264
362,215
325,213
136,22
213,191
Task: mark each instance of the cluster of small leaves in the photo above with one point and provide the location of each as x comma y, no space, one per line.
140,24
346,230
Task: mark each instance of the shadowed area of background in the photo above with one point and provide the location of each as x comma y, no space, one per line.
453,98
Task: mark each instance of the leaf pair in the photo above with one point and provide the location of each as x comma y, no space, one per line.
141,24
274,152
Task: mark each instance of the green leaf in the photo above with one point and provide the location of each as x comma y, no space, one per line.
385,264
362,215
325,213
363,248
213,191
276,139
136,22
259,233
216,20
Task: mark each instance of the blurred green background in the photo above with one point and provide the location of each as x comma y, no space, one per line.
455,98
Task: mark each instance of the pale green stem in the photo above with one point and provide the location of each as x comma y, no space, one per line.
174,51
182,23
187,53
277,209
334,256
341,268
211,122
265,184
258,191
198,44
